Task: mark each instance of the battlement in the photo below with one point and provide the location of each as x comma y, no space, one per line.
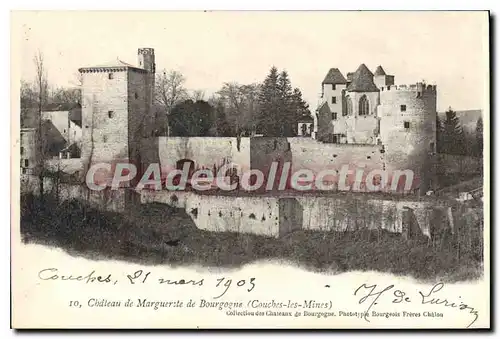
150,51
418,87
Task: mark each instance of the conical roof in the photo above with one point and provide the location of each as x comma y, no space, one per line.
379,71
362,81
334,76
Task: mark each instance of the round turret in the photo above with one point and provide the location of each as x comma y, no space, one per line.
408,130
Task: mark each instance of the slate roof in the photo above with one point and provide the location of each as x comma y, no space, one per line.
334,76
362,81
379,71
113,64
324,108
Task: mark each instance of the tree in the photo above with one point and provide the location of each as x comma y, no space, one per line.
439,135
453,134
169,91
66,96
190,119
197,95
479,137
41,88
29,99
280,106
222,128
286,110
240,102
268,117
300,109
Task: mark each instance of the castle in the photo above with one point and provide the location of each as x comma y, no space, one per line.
364,120
368,108
365,123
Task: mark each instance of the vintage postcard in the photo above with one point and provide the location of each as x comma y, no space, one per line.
278,170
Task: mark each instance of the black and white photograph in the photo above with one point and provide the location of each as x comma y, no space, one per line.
267,169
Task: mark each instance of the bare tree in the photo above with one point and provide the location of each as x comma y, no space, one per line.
169,90
240,101
67,96
78,79
28,104
41,88
197,95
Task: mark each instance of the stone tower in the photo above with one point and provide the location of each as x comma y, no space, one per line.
117,109
408,130
146,60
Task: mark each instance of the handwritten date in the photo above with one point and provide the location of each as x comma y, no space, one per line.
139,277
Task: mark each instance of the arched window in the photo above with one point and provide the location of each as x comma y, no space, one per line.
348,102
364,106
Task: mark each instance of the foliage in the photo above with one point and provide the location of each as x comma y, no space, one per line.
240,104
90,232
479,137
281,106
189,119
169,91
453,138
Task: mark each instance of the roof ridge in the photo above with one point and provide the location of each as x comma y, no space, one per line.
334,76
380,71
362,81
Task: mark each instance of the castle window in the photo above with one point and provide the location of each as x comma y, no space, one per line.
303,129
26,162
364,106
403,108
348,110
111,114
407,124
110,76
334,87
136,96
334,100
334,116
22,150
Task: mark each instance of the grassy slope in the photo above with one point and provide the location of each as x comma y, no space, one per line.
157,234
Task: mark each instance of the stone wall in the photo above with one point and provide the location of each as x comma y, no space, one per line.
277,216
206,152
264,151
317,156
269,216
348,214
110,200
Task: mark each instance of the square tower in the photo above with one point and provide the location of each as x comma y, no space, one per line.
116,111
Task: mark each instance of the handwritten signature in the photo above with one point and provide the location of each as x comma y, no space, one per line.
373,293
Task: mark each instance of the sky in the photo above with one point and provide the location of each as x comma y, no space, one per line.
449,49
